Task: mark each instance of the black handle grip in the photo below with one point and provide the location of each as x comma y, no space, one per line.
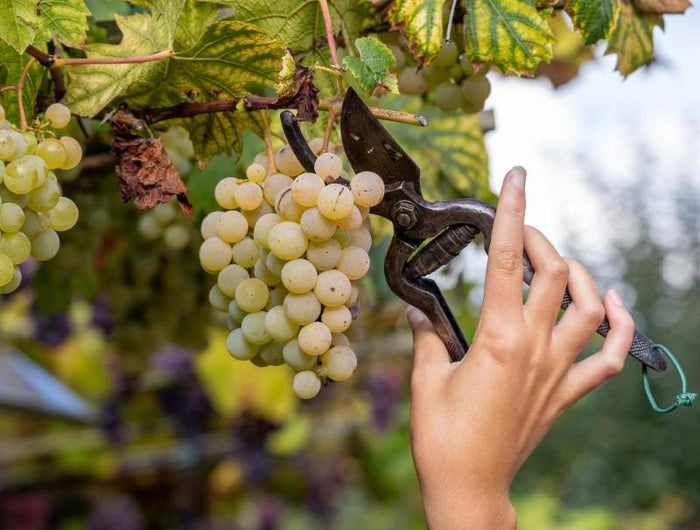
440,251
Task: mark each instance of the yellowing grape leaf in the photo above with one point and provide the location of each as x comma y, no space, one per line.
594,18
372,68
512,34
65,20
632,40
11,65
570,53
19,23
421,22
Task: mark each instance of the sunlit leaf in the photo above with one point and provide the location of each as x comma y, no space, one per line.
19,23
632,40
421,22
372,68
594,18
65,20
11,65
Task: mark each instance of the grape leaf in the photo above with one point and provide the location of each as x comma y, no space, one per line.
569,53
594,18
19,23
661,7
65,20
632,40
512,34
104,10
11,65
450,151
421,22
372,68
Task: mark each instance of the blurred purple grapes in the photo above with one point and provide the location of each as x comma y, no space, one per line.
386,391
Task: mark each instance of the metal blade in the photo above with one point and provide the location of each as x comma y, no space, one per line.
369,146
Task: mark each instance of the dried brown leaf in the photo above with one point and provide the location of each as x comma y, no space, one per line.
661,7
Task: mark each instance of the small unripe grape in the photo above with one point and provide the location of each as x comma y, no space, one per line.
245,253
279,325
253,327
45,245
297,359
271,353
58,115
21,176
256,173
354,262
224,193
302,308
306,188
252,295
340,362
411,82
315,226
7,269
448,97
13,284
262,228
33,223
287,207
17,246
64,215
324,255
215,254
273,185
31,140
337,319
340,340
466,65
235,312
328,165
435,74
314,338
287,240
53,152
261,158
239,347
447,55
274,264
299,276
335,201
73,150
332,288
316,146
176,237
232,226
476,90
217,299
261,272
164,212
456,73
230,277
148,226
11,217
306,384
210,225
287,162
248,195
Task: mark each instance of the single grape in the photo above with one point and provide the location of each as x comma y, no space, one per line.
279,325
261,232
176,237
73,151
261,272
229,277
316,146
287,207
21,176
411,82
447,55
215,254
235,312
361,238
218,299
232,226
45,245
17,246
164,213
466,65
8,144
287,240
58,115
261,158
456,72
13,284
302,308
258,361
332,288
367,189
274,264
64,215
339,340
271,353
239,347
315,226
399,57
287,162
253,216
299,276
324,255
8,196
248,195
21,145
352,221
435,74
448,96
256,173
252,295
277,296
32,142
306,188
328,166
231,324
148,226
33,223
210,225
354,295
297,359
53,152
354,262
306,385
273,185
45,197
224,193
7,269
476,90
337,319
245,253
340,362
254,330
335,201
314,338
11,217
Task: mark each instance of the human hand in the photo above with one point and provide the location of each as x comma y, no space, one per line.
475,422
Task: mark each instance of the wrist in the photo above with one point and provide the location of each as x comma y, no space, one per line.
470,511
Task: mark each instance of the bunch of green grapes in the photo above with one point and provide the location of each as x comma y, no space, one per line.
287,249
451,78
32,208
166,221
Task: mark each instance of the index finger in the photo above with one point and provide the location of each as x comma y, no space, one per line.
503,289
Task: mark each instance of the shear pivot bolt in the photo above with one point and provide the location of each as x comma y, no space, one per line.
404,214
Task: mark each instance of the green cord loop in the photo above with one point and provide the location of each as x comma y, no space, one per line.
684,399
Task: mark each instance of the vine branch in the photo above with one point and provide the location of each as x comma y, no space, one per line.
50,61
20,92
328,23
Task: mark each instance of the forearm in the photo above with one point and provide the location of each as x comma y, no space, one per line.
469,512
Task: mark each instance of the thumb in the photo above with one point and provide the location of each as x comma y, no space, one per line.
429,352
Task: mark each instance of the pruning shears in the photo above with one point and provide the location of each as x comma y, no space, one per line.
427,235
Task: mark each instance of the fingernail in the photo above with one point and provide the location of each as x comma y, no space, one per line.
615,297
415,316
517,177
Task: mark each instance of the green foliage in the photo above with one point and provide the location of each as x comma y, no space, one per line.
19,23
512,34
372,68
632,40
421,22
66,20
11,65
594,18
